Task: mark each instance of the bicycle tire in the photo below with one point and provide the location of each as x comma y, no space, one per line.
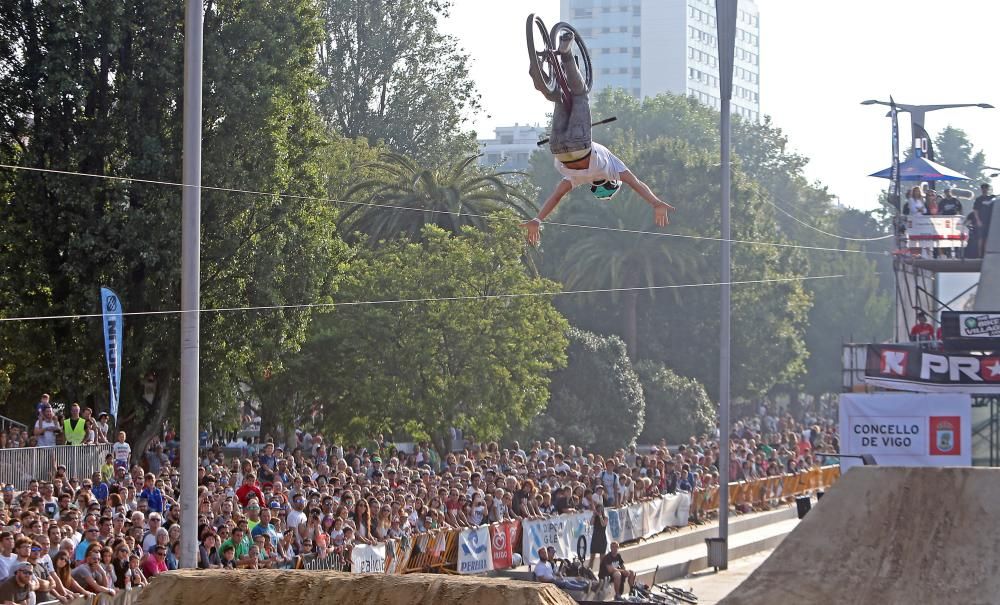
581,53
545,81
678,593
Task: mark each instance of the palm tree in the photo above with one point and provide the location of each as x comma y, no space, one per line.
402,197
608,259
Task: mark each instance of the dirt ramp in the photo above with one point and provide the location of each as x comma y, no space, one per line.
889,536
190,587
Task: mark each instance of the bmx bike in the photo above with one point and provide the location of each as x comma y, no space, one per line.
546,70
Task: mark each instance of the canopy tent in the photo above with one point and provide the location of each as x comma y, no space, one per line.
922,169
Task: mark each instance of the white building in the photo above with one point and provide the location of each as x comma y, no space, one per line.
512,147
652,46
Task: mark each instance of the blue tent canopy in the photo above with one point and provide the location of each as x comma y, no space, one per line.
922,169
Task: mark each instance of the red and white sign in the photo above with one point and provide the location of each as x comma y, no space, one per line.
503,537
924,231
907,429
894,362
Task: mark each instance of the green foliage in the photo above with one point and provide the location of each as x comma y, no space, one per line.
98,89
479,364
671,143
450,197
953,148
390,75
676,407
597,400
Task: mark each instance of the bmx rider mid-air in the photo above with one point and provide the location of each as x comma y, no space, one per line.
577,157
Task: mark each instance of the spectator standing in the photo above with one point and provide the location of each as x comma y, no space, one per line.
75,427
121,451
47,425
599,539
949,204
152,494
922,331
982,213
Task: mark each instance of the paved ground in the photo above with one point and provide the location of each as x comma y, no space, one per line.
711,586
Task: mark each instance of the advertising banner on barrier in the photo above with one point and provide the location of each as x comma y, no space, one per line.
910,368
368,558
503,537
474,554
907,429
568,534
620,525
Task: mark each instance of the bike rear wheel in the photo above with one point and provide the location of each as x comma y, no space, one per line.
580,52
540,54
678,593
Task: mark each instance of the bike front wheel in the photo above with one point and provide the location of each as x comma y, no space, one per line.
540,49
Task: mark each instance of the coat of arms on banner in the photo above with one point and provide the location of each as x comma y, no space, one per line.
945,435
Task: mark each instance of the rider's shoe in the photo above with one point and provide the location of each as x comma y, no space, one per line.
565,41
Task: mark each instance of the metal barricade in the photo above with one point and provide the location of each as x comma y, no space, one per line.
19,466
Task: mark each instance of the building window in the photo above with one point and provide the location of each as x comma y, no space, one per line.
636,92
636,11
636,52
623,70
623,50
605,30
506,139
583,13
605,51
636,71
637,30
493,158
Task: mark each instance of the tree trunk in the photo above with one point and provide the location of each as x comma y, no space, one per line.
631,328
154,424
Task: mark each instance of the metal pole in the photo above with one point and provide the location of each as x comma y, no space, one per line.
191,281
726,12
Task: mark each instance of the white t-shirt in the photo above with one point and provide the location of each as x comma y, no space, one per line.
294,518
121,452
604,166
543,571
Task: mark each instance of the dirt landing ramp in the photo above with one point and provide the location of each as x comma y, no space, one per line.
889,536
191,587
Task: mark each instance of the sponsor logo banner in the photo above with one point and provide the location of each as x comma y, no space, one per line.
910,368
367,558
111,313
474,554
907,429
503,537
565,533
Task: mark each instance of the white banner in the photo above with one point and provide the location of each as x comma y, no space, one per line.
566,533
907,429
474,553
368,558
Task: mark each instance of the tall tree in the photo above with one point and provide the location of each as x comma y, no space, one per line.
954,149
597,400
402,196
97,88
473,350
390,75
676,407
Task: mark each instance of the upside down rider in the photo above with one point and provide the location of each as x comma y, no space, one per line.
578,158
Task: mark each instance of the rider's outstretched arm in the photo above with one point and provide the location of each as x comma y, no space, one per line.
660,207
557,195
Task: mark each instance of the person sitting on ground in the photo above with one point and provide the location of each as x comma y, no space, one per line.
613,566
578,158
544,572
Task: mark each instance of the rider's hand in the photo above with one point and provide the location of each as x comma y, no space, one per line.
660,214
534,230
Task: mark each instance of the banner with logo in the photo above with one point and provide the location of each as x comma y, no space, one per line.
111,311
620,525
895,186
971,331
910,368
906,429
935,231
568,534
503,537
474,555
368,558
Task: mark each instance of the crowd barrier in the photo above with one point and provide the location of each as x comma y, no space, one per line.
122,597
19,466
492,547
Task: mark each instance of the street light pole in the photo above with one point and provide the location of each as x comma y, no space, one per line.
918,112
191,280
725,19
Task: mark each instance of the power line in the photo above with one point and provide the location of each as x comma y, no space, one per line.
426,300
818,230
406,208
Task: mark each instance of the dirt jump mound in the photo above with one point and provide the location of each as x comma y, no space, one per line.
889,536
315,587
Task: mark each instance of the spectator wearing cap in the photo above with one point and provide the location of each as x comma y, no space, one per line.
20,586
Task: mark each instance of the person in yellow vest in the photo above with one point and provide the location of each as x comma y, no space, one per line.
74,427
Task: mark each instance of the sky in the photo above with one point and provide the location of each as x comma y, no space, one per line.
819,60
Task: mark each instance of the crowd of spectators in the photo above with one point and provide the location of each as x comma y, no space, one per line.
924,201
309,498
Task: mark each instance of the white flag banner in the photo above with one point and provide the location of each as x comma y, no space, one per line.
906,429
368,558
568,534
474,554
